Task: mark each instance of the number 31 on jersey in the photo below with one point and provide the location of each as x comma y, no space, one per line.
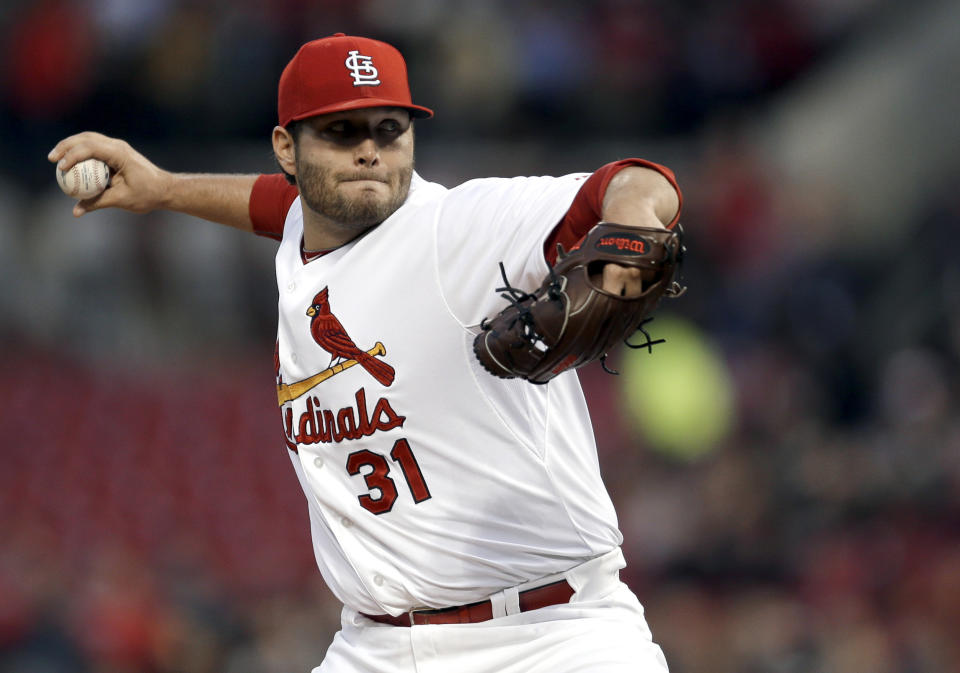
377,476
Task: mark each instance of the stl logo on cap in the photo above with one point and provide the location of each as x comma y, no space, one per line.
362,69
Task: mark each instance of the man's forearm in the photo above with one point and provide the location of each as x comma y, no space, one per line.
640,196
219,198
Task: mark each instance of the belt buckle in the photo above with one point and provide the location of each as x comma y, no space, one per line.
413,611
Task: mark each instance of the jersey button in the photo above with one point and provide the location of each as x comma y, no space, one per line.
346,522
293,356
378,579
318,461
291,286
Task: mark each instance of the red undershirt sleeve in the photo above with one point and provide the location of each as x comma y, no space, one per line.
270,200
587,206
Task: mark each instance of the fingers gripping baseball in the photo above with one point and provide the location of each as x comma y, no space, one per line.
136,184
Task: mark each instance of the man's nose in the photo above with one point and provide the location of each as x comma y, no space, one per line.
367,153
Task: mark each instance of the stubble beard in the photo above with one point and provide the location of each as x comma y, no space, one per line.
318,189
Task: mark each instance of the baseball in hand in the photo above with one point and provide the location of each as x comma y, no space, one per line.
85,180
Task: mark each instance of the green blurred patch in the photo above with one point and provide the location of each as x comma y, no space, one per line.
680,398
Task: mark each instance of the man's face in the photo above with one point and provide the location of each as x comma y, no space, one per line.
354,167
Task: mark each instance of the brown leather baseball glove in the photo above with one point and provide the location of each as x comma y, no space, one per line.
570,320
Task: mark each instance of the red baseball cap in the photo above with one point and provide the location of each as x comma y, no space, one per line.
343,72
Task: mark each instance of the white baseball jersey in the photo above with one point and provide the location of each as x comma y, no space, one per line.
430,482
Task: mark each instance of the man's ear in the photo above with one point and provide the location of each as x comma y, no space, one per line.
284,150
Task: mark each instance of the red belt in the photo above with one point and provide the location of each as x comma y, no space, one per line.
531,599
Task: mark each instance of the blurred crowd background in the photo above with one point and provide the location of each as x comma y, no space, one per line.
793,503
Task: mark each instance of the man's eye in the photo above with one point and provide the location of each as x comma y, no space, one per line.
390,127
339,129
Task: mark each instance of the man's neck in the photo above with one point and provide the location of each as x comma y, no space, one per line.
322,233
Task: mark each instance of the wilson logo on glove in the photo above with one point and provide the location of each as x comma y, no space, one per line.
623,243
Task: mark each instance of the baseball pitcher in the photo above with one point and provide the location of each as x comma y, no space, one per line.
425,358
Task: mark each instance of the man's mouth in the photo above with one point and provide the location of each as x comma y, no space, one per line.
364,178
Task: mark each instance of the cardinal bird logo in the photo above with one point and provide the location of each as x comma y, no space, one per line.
331,337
